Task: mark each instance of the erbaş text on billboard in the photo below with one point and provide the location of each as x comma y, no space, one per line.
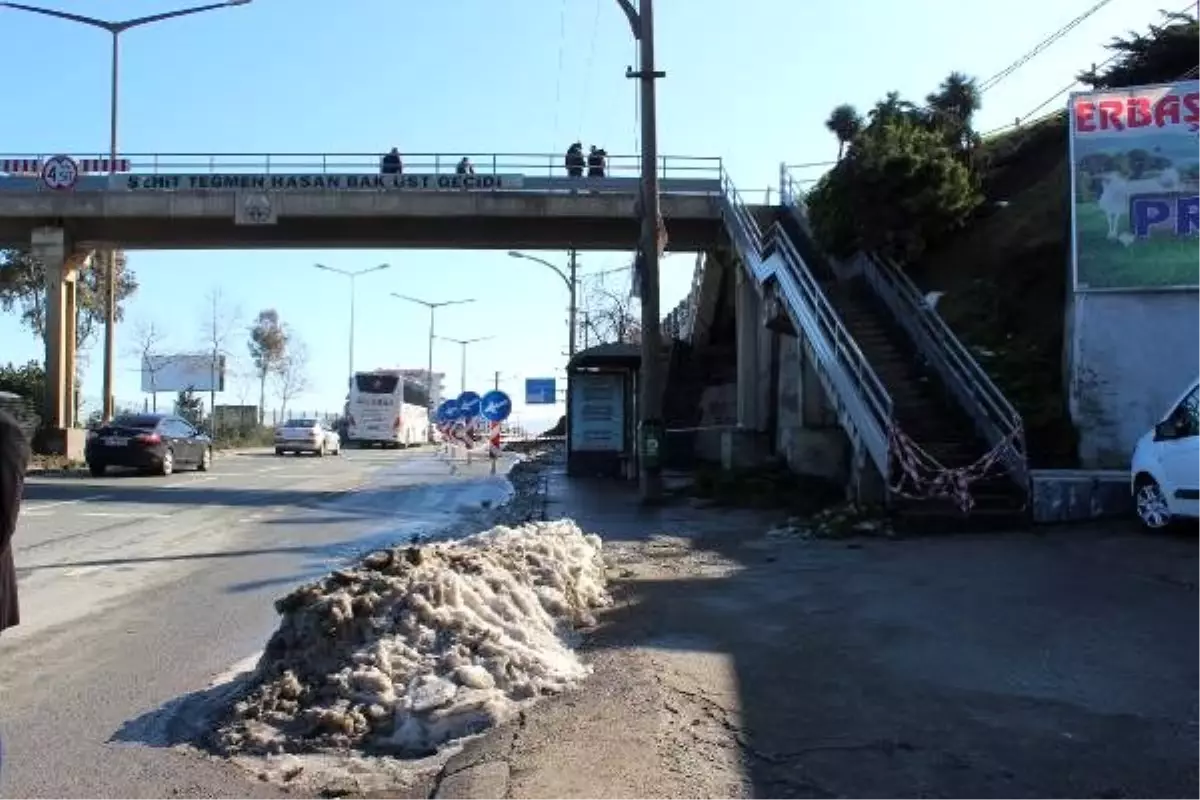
1135,111
319,182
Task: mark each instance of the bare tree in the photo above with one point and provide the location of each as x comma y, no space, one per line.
221,320
147,346
610,317
268,347
291,374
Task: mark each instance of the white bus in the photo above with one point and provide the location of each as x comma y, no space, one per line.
385,409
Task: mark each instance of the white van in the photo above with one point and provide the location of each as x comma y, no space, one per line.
1165,474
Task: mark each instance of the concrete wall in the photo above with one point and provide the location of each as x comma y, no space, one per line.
1130,355
807,433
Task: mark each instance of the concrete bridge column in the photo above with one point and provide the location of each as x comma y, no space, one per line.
752,357
50,246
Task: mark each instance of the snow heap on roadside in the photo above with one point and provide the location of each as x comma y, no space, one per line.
414,646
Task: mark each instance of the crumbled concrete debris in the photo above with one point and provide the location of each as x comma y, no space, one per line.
834,523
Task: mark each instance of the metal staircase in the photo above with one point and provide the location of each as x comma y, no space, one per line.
863,406
866,409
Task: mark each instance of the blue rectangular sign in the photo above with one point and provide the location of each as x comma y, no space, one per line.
540,391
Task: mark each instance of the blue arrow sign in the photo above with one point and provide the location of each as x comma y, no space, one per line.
468,405
540,391
495,406
447,412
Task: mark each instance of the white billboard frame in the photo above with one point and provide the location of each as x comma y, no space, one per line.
178,372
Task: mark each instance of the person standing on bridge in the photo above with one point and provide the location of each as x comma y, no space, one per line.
595,162
391,164
574,160
465,167
14,458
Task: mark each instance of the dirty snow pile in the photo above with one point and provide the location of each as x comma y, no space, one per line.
415,646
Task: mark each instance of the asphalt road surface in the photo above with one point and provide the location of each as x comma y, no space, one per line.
137,590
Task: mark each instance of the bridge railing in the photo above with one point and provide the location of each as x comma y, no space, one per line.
533,165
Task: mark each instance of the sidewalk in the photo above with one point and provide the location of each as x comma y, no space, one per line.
736,664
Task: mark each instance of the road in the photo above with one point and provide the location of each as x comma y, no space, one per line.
137,590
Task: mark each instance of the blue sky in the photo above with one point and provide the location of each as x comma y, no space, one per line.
751,82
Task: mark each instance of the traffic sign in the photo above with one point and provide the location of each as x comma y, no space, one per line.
468,404
540,391
60,173
495,406
448,411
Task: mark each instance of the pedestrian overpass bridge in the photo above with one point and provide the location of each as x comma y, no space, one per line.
61,211
513,201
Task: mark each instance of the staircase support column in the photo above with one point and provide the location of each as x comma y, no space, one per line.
750,356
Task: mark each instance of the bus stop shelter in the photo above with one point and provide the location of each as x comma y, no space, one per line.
602,411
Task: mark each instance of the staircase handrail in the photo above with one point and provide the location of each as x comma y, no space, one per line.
863,403
995,418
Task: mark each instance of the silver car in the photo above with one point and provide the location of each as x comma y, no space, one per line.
307,436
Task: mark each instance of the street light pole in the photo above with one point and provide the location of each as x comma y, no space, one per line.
352,276
115,29
641,23
433,307
463,344
572,283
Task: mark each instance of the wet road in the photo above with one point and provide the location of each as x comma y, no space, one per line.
136,590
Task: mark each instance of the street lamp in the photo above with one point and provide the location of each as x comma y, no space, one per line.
351,276
433,307
110,267
572,283
463,343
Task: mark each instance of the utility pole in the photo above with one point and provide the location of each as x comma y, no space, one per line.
573,310
641,22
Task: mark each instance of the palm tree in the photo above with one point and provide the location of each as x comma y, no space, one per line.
891,107
957,98
845,123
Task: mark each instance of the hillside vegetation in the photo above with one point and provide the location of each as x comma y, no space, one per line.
986,222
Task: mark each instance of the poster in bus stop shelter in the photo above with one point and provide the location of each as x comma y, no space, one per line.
1135,172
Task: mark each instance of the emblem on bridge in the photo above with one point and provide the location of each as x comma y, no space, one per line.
255,209
60,173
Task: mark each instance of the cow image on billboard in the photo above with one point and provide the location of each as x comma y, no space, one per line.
1135,172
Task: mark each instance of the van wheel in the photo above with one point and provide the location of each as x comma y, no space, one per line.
1151,504
97,470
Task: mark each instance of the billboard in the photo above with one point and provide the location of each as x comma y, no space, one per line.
175,373
1135,172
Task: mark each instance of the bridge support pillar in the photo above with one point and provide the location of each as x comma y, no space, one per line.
753,356
58,435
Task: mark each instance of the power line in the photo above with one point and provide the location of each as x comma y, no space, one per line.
1075,82
562,40
587,73
1040,47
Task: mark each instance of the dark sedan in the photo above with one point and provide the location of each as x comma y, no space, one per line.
153,442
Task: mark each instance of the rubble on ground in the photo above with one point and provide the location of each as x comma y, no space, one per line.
417,646
835,522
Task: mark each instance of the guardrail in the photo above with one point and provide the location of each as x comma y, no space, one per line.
995,419
863,405
527,164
